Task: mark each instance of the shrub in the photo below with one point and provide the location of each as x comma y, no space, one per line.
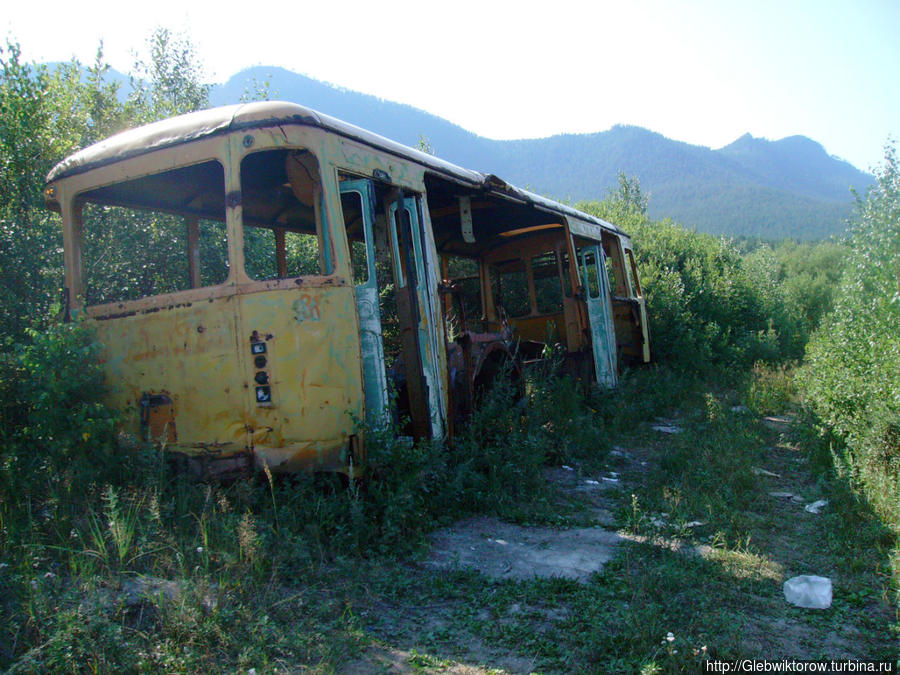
770,389
710,306
852,376
54,422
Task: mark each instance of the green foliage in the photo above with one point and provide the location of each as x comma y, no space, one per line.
797,281
709,304
43,117
498,457
257,89
770,389
494,466
703,308
852,374
170,83
54,416
424,145
626,206
29,240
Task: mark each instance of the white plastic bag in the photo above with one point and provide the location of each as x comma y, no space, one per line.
808,591
816,506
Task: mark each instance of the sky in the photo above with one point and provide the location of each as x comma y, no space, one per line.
700,71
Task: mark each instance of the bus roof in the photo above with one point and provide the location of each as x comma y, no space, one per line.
227,119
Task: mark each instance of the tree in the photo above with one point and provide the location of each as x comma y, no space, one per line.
425,145
625,206
630,195
29,235
46,115
852,376
170,83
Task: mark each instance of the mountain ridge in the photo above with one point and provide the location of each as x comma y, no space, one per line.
754,187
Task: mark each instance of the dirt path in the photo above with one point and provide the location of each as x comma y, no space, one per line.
495,597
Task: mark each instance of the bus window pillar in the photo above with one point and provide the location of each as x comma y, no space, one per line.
73,237
234,212
193,250
280,253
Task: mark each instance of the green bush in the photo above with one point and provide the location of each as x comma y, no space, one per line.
54,422
709,306
852,375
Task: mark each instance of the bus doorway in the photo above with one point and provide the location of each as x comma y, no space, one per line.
394,291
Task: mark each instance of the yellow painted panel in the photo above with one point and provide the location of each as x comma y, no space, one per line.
536,327
199,354
187,351
313,364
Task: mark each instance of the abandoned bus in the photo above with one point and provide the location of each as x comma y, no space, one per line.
264,278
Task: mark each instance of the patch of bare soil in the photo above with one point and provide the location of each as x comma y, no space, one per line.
504,551
392,661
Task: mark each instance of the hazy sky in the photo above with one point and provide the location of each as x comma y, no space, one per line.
704,71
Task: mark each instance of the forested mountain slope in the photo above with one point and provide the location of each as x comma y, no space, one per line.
753,187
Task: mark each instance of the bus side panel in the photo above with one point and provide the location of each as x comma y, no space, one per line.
184,355
314,372
548,328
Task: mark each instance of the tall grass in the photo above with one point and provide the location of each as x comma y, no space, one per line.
77,531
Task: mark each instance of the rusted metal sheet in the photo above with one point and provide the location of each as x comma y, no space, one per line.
203,356
158,418
315,376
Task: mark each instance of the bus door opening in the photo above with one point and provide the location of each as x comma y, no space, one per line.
595,281
394,300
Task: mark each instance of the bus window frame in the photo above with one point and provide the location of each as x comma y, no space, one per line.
327,262
72,212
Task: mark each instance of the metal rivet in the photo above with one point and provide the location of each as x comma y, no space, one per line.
248,141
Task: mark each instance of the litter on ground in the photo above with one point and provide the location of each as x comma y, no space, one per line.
808,591
816,506
666,428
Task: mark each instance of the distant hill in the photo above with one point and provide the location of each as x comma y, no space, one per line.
752,187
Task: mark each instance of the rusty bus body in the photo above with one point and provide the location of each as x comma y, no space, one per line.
252,271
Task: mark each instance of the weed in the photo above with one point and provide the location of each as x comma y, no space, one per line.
770,389
271,493
248,539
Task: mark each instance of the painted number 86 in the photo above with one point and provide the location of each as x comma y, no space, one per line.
306,308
